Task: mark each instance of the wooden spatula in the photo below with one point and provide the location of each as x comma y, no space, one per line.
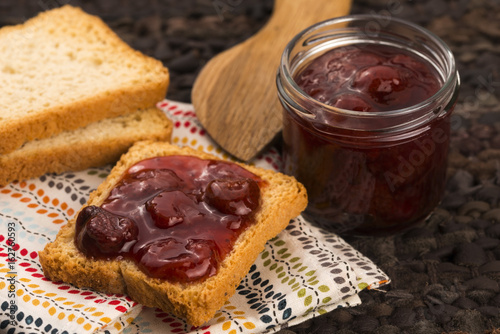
235,95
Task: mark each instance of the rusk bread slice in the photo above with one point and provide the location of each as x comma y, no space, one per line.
97,144
64,69
282,199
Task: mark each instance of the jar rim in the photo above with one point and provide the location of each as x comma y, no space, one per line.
451,81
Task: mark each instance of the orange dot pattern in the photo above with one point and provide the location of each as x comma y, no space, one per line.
31,214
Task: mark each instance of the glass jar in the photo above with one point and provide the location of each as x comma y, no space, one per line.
375,171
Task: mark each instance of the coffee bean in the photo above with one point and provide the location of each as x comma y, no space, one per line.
493,214
439,254
489,193
447,297
490,268
453,226
472,207
462,181
418,233
487,243
493,230
470,146
470,321
437,8
470,255
496,300
145,43
387,329
489,118
447,267
403,317
163,51
466,303
482,131
480,296
496,253
490,311
425,327
186,80
418,267
399,294
381,310
495,142
482,283
149,26
365,324
479,224
341,316
185,63
342,331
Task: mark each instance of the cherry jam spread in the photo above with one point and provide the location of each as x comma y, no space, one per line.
177,216
374,79
356,185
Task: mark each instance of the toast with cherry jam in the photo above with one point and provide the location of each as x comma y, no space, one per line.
174,228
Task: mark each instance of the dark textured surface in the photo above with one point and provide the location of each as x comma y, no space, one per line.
446,273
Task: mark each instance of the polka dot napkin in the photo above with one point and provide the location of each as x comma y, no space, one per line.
302,273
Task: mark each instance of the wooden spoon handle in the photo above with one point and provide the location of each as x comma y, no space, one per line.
289,17
235,95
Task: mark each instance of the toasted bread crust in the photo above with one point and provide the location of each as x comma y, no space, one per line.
95,145
281,200
62,95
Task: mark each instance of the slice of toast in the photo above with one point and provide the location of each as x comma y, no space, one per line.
282,199
64,69
97,144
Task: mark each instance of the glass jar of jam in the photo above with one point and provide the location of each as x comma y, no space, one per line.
366,121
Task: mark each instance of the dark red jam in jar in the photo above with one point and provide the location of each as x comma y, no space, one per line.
366,122
177,216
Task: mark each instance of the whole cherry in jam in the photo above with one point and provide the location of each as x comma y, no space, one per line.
383,83
235,197
351,102
179,260
178,216
102,233
170,208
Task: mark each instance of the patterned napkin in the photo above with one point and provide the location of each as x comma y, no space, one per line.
302,273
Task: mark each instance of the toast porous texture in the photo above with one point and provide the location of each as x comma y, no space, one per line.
64,69
97,144
282,199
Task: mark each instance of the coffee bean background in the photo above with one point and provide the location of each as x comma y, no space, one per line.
445,274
